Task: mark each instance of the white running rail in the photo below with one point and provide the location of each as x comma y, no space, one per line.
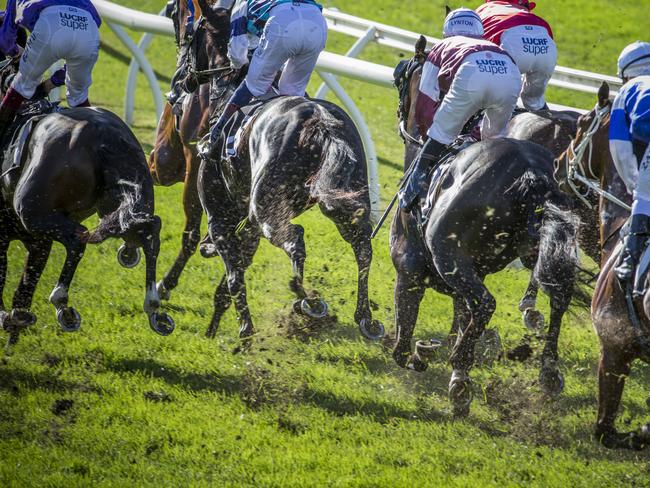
329,66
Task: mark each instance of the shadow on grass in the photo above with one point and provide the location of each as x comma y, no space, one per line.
17,381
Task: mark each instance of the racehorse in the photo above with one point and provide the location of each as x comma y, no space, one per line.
551,129
76,163
296,153
174,157
622,323
497,202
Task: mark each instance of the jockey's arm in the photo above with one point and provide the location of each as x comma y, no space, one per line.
238,44
428,96
620,145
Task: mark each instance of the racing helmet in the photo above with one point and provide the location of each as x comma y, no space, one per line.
522,3
634,60
462,22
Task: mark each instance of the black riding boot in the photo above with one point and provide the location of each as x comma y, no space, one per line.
209,150
8,109
634,245
418,182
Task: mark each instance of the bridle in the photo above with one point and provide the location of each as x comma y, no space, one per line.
201,77
573,160
402,83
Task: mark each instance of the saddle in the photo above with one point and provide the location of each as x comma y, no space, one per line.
235,135
438,173
15,139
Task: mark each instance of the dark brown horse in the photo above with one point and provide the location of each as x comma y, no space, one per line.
551,129
296,153
497,202
174,157
623,334
77,163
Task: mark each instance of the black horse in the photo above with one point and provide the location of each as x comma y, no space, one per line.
296,153
76,163
550,128
497,202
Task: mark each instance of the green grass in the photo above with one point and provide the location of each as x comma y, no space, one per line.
316,406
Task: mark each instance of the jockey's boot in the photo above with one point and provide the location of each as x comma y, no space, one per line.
634,245
8,108
240,98
209,151
418,182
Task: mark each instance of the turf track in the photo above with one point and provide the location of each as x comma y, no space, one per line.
116,405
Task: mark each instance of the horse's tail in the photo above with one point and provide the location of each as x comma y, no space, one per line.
127,180
558,262
341,178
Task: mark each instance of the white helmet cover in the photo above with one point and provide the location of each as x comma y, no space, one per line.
634,60
462,22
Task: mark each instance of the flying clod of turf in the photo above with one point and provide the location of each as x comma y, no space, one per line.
307,404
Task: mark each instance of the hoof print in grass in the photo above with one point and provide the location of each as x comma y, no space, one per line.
157,396
62,406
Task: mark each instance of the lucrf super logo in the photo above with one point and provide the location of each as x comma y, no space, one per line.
535,45
492,66
73,21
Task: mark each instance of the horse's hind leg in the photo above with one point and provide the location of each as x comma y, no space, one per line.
533,318
290,238
229,250
191,232
356,229
409,290
38,253
149,236
462,278
613,369
249,243
4,247
550,376
58,227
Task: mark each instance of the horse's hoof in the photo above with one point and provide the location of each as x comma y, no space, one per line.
527,303
551,380
427,350
128,257
371,329
246,331
22,318
401,357
460,393
417,364
533,319
161,323
163,292
316,308
208,250
69,319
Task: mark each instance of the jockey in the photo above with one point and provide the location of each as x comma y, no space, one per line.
285,33
528,39
462,75
60,29
629,138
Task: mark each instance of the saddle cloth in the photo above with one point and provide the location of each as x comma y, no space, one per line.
15,140
439,171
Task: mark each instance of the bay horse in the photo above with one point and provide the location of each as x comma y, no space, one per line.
550,128
498,202
296,153
76,163
174,157
624,334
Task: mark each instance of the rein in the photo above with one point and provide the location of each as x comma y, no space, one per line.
575,170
